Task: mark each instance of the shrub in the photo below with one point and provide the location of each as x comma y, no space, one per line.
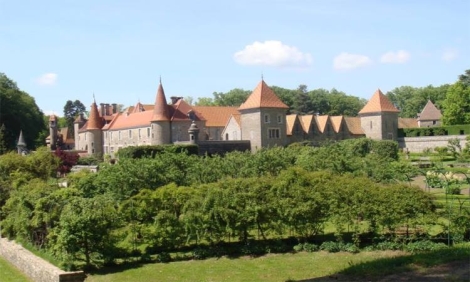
388,245
329,246
163,257
423,246
386,149
137,152
201,253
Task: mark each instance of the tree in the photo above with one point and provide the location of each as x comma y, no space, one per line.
302,104
71,111
465,78
18,111
233,98
3,145
457,104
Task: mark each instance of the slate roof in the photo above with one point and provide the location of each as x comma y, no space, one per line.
262,97
378,103
430,112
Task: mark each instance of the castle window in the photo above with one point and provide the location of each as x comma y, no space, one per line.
92,145
85,136
266,118
139,134
226,136
370,124
148,132
433,122
119,135
130,133
274,133
279,119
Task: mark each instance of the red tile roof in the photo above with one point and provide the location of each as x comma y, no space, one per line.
95,121
379,103
290,121
262,97
216,116
336,122
321,122
407,123
180,111
354,125
160,111
430,112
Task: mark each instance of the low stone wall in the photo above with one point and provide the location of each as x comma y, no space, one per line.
34,267
419,144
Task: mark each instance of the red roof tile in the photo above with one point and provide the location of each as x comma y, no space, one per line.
290,121
336,122
160,111
354,125
95,121
262,97
216,116
379,103
306,122
407,123
321,122
180,111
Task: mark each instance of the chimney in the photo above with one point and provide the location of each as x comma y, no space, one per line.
175,99
114,108
102,112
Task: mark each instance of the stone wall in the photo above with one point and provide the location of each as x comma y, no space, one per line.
34,267
418,144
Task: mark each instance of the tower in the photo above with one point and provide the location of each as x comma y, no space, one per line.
160,123
263,118
94,138
193,132
21,146
379,118
77,124
53,131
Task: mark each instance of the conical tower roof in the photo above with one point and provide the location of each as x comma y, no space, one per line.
379,103
263,97
160,110
21,142
94,120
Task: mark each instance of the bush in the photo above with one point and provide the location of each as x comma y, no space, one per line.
307,247
388,246
163,257
137,152
423,246
331,247
386,149
201,253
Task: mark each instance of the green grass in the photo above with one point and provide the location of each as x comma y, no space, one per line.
9,273
274,267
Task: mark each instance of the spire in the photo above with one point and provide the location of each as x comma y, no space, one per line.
378,103
21,142
160,110
94,120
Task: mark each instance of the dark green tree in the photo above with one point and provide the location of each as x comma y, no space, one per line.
302,103
18,111
71,111
233,98
465,78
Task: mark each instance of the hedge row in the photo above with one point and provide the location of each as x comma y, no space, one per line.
137,152
435,131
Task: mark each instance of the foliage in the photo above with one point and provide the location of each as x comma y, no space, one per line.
71,111
152,150
457,104
19,111
67,160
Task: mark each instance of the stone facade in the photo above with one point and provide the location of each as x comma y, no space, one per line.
419,144
34,267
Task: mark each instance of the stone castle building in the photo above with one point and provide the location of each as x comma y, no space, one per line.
262,120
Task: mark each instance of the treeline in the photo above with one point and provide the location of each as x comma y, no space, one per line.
139,207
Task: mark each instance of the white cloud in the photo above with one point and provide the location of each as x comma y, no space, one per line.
347,61
398,57
450,55
47,79
273,53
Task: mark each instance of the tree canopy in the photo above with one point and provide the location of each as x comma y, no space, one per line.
457,104
71,111
19,112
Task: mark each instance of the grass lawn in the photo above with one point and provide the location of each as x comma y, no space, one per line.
9,273
273,267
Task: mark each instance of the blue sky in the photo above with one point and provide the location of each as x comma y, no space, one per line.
67,50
